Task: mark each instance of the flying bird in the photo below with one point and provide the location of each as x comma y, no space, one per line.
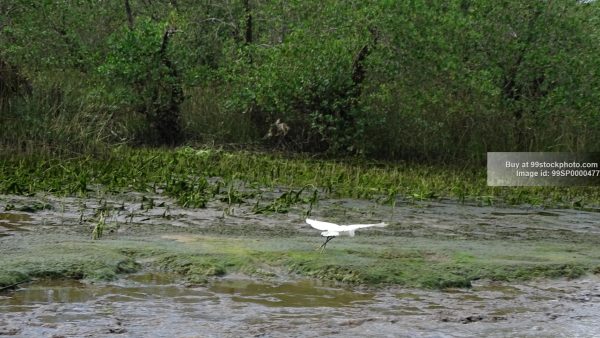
332,230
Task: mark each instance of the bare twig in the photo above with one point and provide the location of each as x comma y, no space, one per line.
13,285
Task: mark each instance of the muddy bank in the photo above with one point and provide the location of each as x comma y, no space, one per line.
142,214
439,269
159,306
427,244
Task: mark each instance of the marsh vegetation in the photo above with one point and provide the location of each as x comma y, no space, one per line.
188,142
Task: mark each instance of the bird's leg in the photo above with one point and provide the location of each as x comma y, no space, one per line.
322,247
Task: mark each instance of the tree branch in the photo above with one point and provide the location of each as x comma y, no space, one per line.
129,14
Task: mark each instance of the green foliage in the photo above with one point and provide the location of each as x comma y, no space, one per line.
428,80
306,81
282,203
184,174
134,61
143,77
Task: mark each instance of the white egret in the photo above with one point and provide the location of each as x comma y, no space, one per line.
331,230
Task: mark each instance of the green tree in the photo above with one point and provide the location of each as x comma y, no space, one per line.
139,66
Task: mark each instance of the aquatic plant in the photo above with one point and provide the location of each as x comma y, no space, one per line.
98,230
183,174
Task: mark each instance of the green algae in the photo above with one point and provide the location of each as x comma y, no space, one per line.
198,259
72,260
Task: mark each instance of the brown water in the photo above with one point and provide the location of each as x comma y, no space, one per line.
155,305
11,222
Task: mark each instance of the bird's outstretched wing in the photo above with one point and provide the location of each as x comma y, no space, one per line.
358,226
323,226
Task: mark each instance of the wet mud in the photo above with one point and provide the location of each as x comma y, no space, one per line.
274,301
157,305
137,213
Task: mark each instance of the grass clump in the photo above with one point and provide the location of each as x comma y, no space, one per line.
10,278
195,268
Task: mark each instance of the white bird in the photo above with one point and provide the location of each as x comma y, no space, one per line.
332,230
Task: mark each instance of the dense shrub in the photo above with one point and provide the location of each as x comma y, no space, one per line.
427,80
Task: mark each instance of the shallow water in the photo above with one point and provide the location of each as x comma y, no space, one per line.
157,305
11,222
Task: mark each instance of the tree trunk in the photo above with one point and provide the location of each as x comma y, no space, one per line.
129,14
166,116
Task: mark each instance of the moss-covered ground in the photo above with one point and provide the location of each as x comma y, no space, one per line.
427,263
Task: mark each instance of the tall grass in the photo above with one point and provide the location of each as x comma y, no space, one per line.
58,116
